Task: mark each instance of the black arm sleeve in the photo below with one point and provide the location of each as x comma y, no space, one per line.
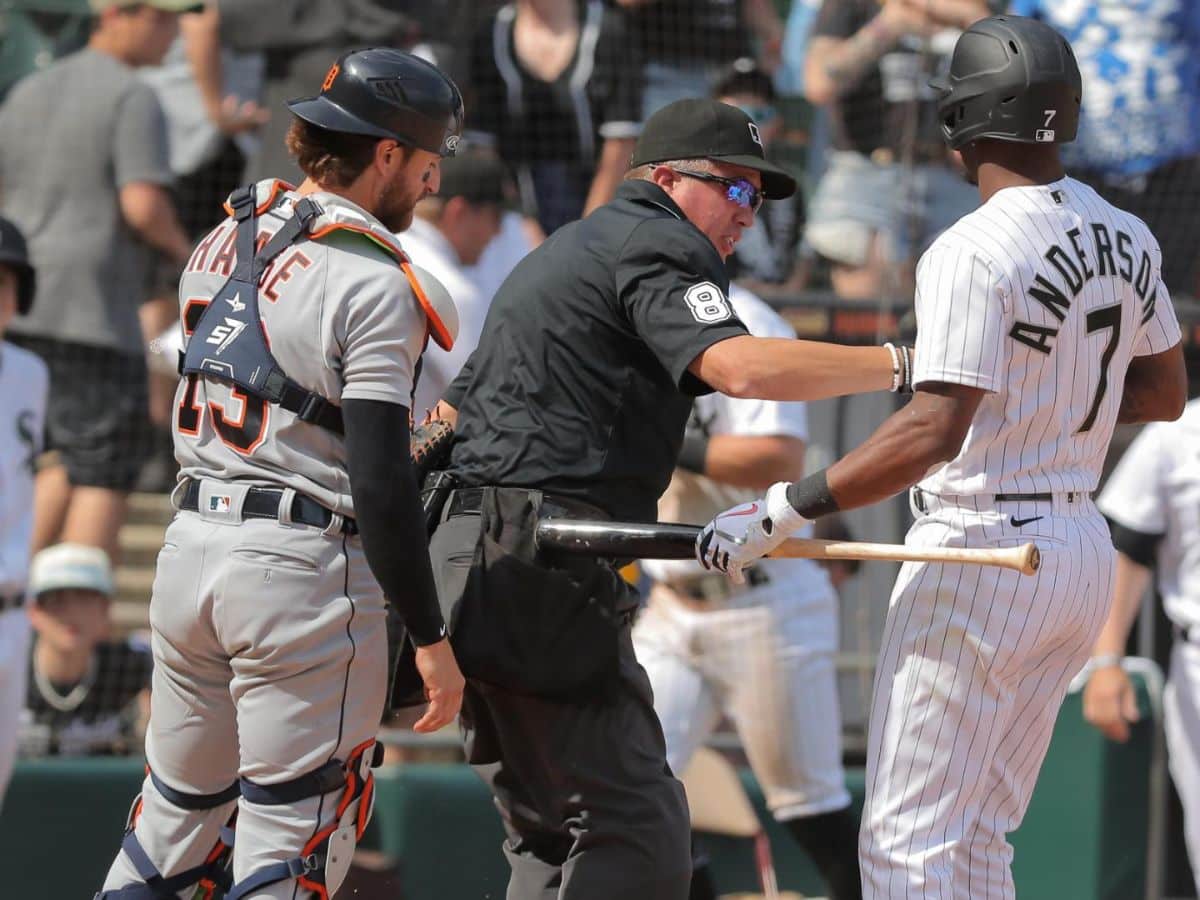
388,509
1137,545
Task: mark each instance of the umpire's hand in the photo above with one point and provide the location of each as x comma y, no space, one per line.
1109,702
443,685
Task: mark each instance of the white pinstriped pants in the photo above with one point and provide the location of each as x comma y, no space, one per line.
974,665
765,658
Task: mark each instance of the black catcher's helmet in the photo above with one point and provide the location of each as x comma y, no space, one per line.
15,253
1010,79
388,93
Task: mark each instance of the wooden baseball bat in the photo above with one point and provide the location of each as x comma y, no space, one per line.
661,540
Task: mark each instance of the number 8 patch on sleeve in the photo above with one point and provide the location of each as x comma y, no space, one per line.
708,303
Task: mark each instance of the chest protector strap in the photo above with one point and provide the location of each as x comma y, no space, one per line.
229,342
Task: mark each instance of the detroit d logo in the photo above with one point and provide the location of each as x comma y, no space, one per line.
754,135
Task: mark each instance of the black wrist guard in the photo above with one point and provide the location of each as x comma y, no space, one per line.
811,497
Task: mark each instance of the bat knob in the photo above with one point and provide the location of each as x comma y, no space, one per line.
1033,559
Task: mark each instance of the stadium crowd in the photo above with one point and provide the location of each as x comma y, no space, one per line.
122,135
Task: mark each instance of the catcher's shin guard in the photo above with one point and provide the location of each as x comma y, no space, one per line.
207,877
324,861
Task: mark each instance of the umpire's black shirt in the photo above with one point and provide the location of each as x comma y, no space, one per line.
579,386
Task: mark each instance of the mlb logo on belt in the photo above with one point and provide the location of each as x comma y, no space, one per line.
220,503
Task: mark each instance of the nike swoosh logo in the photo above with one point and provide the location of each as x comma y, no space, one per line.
746,512
1017,523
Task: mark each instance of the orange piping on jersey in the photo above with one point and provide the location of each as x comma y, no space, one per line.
437,327
440,332
278,186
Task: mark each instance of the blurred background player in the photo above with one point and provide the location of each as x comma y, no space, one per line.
449,233
23,384
761,653
1152,501
88,695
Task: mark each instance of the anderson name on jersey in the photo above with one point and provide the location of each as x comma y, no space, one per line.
1041,297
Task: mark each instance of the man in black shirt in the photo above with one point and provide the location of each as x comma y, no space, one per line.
575,403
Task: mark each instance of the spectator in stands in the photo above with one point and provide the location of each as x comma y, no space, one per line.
84,172
1139,133
298,39
449,232
555,86
687,43
87,695
890,187
517,236
23,382
209,138
765,259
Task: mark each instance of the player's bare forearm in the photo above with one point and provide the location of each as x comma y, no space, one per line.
1155,388
148,210
782,369
927,432
754,461
1129,586
610,170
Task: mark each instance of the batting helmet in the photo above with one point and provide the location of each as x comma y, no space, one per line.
1010,79
15,254
387,93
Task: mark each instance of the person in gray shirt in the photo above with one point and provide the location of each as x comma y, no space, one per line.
84,173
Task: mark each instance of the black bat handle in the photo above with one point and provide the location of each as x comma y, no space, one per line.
652,540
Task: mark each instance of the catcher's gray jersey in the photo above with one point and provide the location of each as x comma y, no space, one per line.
363,346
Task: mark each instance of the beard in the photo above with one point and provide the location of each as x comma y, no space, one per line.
396,205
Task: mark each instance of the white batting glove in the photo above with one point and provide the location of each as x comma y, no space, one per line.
744,534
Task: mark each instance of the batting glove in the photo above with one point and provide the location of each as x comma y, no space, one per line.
744,534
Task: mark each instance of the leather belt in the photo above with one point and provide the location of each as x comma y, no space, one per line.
469,501
11,601
921,504
263,503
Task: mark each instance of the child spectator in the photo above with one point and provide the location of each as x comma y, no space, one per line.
87,695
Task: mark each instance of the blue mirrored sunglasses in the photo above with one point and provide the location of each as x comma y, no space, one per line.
739,190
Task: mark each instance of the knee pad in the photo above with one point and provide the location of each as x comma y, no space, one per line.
325,860
207,877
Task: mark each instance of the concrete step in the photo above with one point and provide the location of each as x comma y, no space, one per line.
130,616
140,545
149,509
134,584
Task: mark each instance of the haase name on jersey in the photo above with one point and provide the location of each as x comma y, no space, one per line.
1049,295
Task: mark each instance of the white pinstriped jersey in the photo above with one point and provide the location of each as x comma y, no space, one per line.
1041,297
1155,489
23,384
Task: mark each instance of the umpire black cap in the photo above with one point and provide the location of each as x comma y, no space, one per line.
1011,79
709,129
15,254
387,93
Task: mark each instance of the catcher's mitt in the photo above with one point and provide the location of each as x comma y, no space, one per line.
429,447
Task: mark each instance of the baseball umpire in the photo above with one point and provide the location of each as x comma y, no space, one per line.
1042,321
574,404
298,520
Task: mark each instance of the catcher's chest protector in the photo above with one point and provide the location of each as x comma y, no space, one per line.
228,340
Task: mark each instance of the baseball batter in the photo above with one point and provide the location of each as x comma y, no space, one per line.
761,654
24,381
304,327
1032,313
1152,500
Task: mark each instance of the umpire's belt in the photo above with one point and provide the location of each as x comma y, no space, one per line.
469,501
264,503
